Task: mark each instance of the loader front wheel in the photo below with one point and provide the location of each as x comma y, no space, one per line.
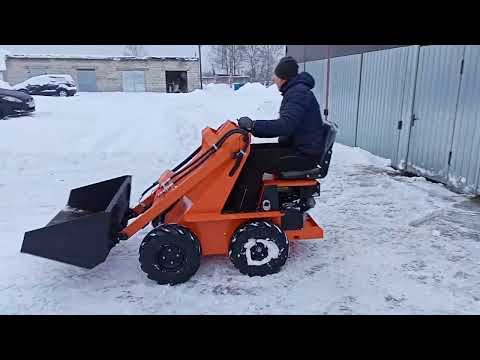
158,220
259,248
170,254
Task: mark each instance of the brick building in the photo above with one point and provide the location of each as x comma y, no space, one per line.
94,73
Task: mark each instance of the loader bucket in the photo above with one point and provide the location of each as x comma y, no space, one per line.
85,231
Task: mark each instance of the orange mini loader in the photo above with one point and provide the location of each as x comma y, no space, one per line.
187,210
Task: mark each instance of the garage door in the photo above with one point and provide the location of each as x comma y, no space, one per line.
37,70
133,81
87,80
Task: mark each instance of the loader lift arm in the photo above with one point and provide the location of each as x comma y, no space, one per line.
172,185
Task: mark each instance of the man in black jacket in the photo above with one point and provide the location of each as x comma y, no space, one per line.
304,138
300,124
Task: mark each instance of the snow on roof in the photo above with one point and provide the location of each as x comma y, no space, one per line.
89,57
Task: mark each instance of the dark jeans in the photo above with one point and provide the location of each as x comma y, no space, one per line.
264,158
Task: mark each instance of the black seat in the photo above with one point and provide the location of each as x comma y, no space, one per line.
321,170
318,172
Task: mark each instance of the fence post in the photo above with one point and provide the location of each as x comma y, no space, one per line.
412,105
358,99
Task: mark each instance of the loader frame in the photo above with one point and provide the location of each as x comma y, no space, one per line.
191,196
195,195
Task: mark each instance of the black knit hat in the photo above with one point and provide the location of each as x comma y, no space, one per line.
287,68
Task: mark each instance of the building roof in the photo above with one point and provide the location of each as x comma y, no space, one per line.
321,52
88,57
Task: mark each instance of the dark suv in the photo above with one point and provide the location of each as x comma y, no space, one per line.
14,103
51,84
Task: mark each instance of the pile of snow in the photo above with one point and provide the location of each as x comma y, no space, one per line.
251,87
273,89
217,88
5,85
168,125
360,156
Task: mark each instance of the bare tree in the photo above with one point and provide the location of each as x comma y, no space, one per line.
227,58
135,50
237,57
218,56
256,61
269,54
252,60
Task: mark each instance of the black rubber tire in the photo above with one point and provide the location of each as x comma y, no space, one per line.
258,230
60,91
2,114
159,220
164,237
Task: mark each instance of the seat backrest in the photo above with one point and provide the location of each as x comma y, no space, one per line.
330,136
325,163
321,170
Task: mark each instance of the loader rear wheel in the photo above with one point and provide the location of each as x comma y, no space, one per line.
170,254
259,248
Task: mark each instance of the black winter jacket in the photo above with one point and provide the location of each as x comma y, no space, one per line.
300,118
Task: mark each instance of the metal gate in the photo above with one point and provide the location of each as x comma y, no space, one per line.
318,69
87,80
434,110
37,70
344,96
464,172
478,183
133,81
384,96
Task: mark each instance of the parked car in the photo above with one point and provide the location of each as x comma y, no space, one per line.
51,84
14,103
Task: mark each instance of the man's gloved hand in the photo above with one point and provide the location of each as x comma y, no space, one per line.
245,123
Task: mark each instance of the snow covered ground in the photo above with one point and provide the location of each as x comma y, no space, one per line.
393,245
4,85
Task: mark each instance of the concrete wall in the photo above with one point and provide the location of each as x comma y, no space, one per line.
108,71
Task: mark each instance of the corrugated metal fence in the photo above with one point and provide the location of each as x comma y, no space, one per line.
436,98
343,99
418,106
383,97
465,162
